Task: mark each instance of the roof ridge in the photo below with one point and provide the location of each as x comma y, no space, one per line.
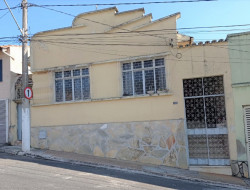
160,19
129,11
130,21
203,43
92,12
238,34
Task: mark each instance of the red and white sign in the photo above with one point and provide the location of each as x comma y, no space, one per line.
28,93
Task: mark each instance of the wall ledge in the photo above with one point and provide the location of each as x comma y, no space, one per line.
242,84
105,99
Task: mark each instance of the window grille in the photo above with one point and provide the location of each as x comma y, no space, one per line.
143,77
72,85
206,121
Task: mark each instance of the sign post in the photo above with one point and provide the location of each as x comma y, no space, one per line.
25,81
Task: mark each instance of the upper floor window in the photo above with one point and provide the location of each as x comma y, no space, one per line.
72,85
1,70
141,77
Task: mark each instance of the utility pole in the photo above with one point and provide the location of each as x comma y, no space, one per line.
25,81
25,77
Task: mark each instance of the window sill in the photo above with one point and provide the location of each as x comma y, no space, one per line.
106,99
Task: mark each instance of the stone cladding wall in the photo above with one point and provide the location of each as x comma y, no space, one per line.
153,142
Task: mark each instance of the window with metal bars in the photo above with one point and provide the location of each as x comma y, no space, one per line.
72,85
205,102
143,77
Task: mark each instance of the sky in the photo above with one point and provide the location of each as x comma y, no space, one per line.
195,14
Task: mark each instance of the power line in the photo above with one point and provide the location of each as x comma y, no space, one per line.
102,44
181,60
145,32
4,14
112,37
126,44
161,30
104,24
219,26
116,4
118,41
15,7
8,37
141,31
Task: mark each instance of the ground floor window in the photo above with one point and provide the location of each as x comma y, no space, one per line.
72,85
143,77
206,120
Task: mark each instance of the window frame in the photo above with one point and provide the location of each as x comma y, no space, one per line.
143,69
71,77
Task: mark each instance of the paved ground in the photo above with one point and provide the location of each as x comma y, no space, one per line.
133,168
19,172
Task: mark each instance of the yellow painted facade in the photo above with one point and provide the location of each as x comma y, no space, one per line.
106,91
103,52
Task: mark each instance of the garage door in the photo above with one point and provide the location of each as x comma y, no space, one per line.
3,120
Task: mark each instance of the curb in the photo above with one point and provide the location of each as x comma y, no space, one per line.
104,166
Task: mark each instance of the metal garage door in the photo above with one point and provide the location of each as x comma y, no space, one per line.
3,120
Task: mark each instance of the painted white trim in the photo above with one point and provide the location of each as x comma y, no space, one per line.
209,131
210,162
204,96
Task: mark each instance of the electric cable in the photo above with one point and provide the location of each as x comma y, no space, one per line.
116,4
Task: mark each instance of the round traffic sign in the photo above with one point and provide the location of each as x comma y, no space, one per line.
28,93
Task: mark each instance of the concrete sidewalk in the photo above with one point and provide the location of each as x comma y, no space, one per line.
163,171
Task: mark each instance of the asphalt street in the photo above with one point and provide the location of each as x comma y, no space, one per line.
19,172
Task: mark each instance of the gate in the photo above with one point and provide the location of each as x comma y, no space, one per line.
3,120
206,121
